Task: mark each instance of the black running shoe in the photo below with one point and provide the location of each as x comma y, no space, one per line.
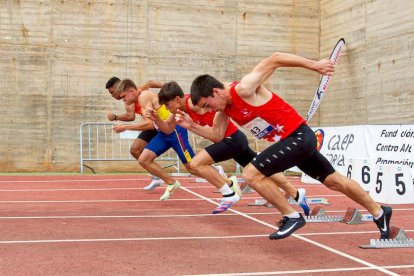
383,222
287,226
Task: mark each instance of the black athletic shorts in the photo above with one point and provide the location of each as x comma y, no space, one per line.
235,146
298,149
147,135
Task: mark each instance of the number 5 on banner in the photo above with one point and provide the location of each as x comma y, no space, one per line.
385,183
392,185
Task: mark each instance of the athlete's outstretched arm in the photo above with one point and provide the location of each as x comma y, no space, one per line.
214,133
150,84
249,83
128,116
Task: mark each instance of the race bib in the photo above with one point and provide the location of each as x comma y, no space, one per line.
259,128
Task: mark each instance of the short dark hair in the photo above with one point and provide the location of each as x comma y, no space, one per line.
169,91
203,86
124,85
111,82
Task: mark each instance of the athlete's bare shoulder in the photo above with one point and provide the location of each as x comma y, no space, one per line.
146,98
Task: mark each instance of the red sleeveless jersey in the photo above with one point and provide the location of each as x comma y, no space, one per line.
138,109
208,118
273,121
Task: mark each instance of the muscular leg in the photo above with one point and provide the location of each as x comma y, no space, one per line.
350,188
146,160
266,187
201,165
137,147
282,182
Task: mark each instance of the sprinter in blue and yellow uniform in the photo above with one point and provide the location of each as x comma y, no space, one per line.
177,139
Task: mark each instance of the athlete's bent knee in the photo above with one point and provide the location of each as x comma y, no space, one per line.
144,162
251,175
335,182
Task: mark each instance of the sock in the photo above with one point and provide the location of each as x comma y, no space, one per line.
231,184
293,215
297,196
380,214
226,191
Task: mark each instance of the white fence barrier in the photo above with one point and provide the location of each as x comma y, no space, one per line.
99,142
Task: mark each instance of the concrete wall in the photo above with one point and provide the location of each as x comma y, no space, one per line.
374,83
56,57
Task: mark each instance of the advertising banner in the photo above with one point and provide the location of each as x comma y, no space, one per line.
379,157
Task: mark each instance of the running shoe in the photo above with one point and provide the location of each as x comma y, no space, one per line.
383,223
235,187
303,202
287,226
225,204
154,184
169,191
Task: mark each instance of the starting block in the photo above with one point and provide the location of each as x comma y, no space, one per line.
398,239
260,202
312,200
318,214
202,180
263,202
352,216
247,189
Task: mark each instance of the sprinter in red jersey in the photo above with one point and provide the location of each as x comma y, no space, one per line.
267,116
233,145
146,126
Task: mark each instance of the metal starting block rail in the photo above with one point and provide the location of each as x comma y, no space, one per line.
398,239
312,200
352,216
202,180
263,202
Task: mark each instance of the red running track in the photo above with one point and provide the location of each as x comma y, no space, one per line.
108,225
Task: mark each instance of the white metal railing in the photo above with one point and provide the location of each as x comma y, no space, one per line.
99,142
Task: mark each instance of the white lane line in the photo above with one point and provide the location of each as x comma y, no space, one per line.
101,200
132,239
96,201
330,249
71,189
306,271
73,180
342,233
82,180
81,189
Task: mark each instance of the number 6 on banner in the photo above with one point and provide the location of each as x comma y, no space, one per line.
360,171
392,185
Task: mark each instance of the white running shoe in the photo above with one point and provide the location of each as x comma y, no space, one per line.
235,187
226,203
154,184
169,191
